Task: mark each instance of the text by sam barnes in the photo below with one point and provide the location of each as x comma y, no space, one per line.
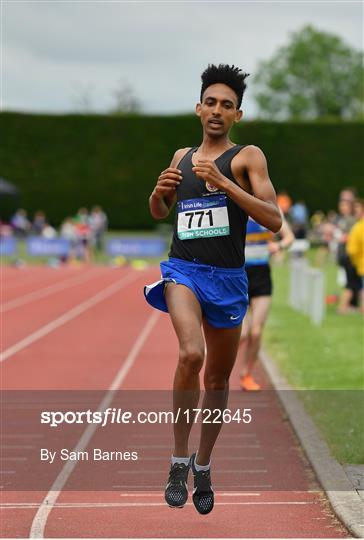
96,454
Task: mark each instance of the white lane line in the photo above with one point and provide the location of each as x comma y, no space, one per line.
22,436
156,493
69,315
161,494
263,487
191,439
36,295
216,458
143,446
13,458
239,494
40,518
6,506
17,446
216,471
35,278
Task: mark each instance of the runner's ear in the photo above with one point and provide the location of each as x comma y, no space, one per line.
198,109
238,116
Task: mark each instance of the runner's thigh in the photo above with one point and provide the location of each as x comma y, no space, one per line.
186,315
222,347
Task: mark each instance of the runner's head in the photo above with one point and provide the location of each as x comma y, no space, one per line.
231,76
222,92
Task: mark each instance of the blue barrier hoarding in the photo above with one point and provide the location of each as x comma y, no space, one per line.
54,247
136,247
7,246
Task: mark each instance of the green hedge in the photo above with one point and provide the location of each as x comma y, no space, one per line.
64,162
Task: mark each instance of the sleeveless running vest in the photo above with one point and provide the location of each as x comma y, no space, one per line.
209,227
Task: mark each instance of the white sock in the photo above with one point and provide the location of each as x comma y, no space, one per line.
202,467
184,460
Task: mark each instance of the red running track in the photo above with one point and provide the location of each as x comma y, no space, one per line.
98,334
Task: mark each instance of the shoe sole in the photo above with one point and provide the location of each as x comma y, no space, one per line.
177,505
203,513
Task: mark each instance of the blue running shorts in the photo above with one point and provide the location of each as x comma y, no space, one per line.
222,292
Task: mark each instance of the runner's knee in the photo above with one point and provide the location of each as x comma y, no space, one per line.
191,359
214,381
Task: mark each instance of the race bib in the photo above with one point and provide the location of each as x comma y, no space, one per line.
202,218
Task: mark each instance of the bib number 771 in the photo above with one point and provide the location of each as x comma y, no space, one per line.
200,213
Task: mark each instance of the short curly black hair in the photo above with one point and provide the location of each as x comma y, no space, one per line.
232,76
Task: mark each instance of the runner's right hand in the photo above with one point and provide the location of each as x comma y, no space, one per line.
167,182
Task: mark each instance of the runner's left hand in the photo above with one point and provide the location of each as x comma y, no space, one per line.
207,170
274,247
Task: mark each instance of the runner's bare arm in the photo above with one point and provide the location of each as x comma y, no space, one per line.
164,196
262,206
287,237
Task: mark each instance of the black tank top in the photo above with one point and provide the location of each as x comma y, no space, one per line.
209,227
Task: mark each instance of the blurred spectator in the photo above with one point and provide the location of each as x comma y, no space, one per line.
284,202
68,232
317,219
299,219
83,234
82,216
48,231
355,249
328,234
39,221
344,222
358,209
20,223
331,216
321,235
98,223
348,194
5,230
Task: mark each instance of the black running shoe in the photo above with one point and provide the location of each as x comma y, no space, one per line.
176,493
203,495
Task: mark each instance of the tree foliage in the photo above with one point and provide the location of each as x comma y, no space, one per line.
316,76
125,99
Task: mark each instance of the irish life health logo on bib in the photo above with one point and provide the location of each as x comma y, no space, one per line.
202,218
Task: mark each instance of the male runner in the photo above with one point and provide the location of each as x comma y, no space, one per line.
204,285
259,246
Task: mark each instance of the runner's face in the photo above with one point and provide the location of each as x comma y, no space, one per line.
218,110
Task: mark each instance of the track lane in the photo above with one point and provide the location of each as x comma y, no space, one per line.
19,324
47,290
85,352
153,369
226,521
41,517
16,282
